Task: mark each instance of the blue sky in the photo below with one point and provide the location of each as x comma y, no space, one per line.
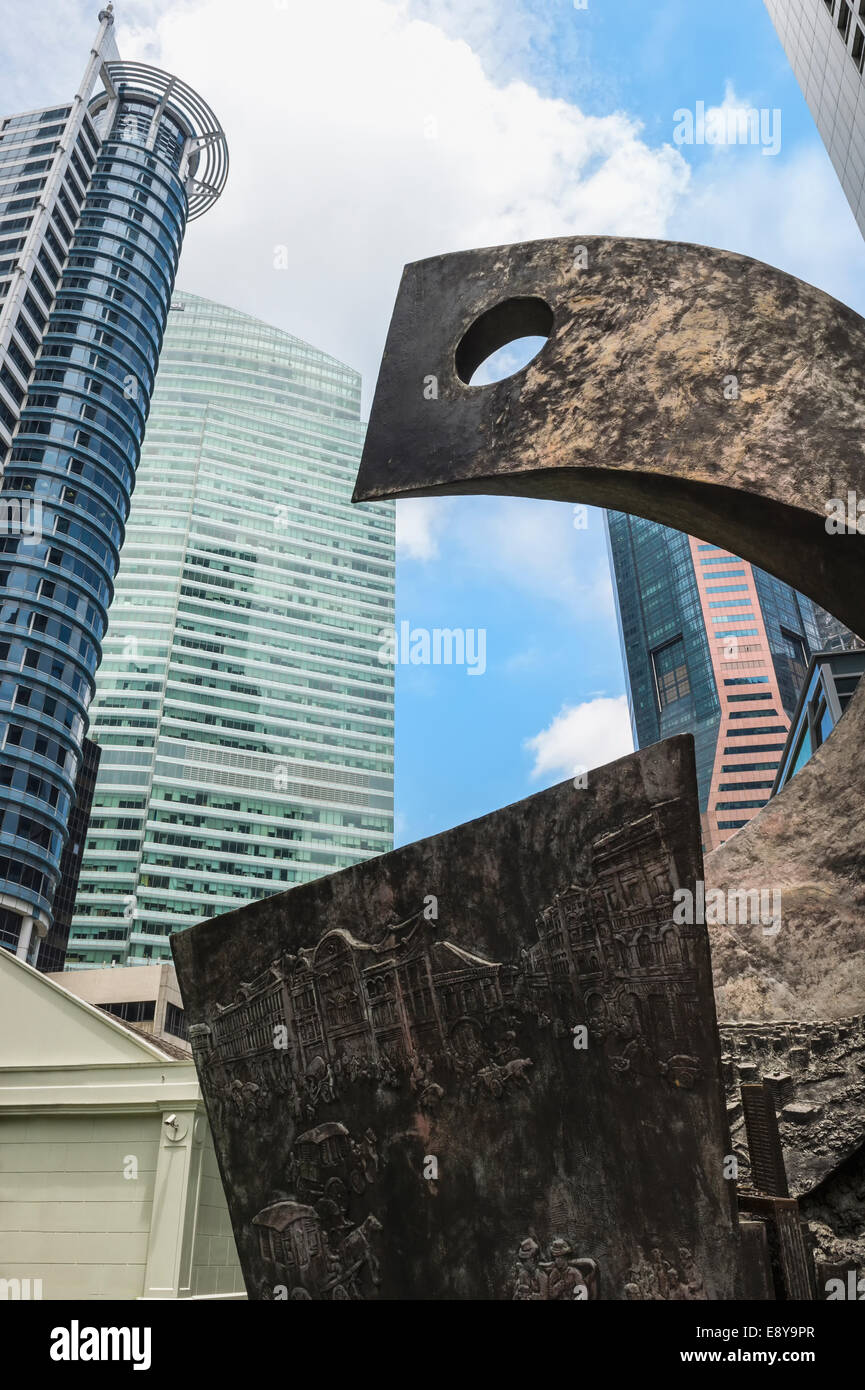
461,742
368,133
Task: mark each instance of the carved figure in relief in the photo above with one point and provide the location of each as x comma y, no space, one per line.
636,1056
530,1281
559,1279
431,1097
496,1079
691,1276
659,1280
660,1269
505,1048
565,1279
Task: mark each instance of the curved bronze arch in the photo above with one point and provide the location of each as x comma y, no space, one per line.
630,403
700,389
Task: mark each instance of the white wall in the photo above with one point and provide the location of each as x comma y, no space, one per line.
68,1216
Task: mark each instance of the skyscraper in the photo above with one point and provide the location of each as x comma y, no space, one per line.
715,647
95,195
244,716
825,43
52,950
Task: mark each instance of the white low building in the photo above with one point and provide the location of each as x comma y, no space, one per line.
108,1180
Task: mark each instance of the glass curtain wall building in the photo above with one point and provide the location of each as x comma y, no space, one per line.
714,647
94,200
829,686
825,43
244,716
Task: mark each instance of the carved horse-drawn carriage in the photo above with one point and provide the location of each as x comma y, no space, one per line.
328,1165
302,1260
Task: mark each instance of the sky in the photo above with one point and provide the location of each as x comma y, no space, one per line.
365,134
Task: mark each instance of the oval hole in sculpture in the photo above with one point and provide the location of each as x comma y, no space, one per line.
503,340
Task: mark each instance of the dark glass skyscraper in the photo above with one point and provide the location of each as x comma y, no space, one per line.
94,200
714,647
53,948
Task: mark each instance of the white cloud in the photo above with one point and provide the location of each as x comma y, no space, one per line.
419,523
361,139
535,547
728,124
791,213
508,360
525,544
582,736
327,111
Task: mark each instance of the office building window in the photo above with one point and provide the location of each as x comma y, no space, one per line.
175,1020
671,672
794,649
133,1010
844,17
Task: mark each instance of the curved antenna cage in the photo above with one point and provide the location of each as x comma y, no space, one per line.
207,146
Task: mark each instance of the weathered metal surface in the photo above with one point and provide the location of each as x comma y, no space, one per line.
631,405
816,1074
807,844
815,1071
706,391
484,1066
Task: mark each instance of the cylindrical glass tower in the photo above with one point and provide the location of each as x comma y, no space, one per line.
162,161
